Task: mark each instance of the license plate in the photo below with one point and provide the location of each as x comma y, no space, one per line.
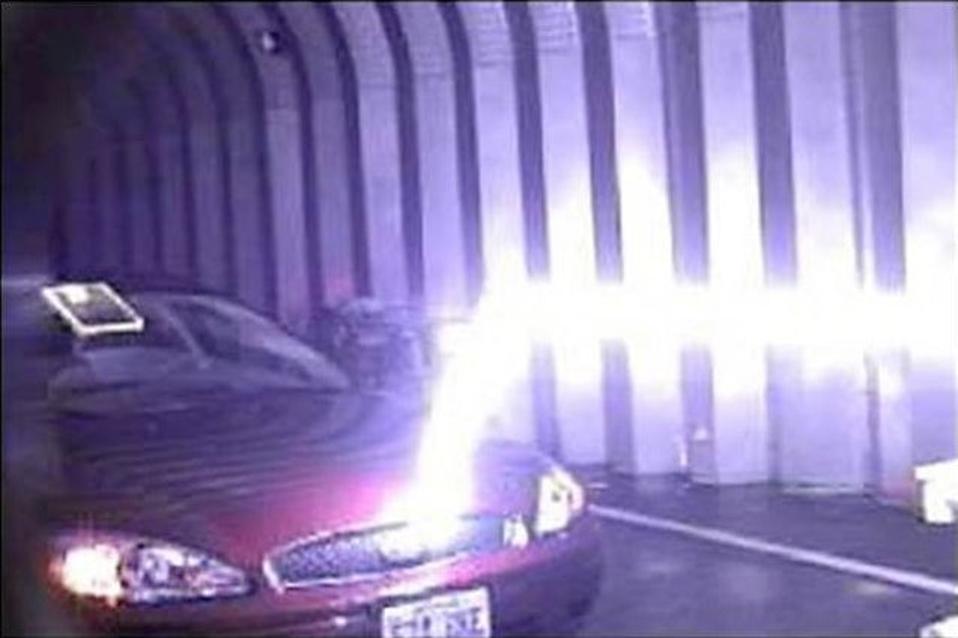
454,615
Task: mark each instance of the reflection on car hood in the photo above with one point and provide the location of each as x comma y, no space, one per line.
244,475
231,445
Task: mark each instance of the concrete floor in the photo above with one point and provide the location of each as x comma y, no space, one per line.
662,583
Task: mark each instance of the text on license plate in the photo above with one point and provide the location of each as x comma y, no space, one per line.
462,614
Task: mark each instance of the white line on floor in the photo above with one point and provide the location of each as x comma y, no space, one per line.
913,580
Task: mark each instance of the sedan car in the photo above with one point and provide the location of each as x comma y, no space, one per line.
209,473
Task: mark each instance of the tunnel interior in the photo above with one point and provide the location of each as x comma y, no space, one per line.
294,155
705,242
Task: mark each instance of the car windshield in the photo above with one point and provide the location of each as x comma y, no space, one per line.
191,347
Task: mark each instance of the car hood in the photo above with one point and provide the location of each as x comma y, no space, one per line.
240,476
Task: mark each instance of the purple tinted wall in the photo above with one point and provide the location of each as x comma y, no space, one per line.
420,153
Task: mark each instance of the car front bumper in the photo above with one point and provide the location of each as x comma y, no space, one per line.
529,588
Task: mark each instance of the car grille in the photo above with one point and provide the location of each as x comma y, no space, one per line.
366,553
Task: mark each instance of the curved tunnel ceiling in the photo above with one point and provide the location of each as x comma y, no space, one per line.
258,114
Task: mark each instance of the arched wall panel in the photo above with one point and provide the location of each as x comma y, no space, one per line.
359,215
655,440
606,218
248,209
739,436
409,170
774,154
153,91
678,29
146,138
116,88
501,215
828,403
600,120
91,204
467,150
443,246
871,43
572,262
500,190
926,40
677,26
525,68
125,226
280,100
380,149
529,127
326,173
201,144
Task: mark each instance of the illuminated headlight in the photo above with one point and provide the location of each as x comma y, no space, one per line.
123,569
560,500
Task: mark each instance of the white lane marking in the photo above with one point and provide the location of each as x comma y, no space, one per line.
913,580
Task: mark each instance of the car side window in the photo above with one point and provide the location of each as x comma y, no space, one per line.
216,334
253,341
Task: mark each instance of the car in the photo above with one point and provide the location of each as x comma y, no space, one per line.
206,472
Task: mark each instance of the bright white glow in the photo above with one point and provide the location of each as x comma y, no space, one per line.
117,567
572,315
515,533
420,535
75,293
647,229
946,628
484,356
489,356
92,570
432,508
734,229
939,491
560,499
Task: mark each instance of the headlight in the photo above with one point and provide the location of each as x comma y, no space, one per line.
560,500
118,568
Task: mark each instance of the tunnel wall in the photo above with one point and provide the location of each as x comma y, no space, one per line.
290,155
